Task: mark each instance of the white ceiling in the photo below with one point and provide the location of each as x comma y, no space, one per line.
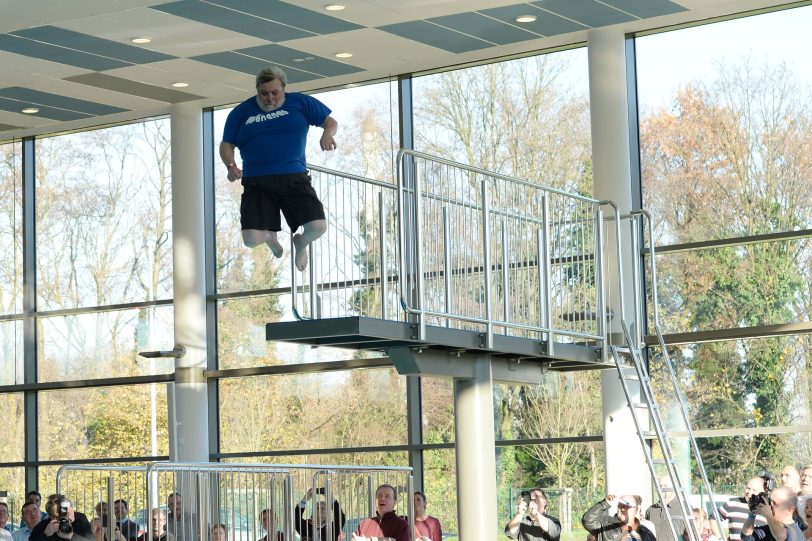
50,57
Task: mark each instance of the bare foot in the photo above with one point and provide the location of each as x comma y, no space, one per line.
276,248
301,252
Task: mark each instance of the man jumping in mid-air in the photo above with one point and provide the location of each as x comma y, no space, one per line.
270,129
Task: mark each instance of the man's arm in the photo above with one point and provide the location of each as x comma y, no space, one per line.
594,518
549,525
227,155
512,528
330,127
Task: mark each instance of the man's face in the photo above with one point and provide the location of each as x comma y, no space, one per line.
270,95
419,505
158,523
626,508
754,486
34,498
538,499
790,478
806,482
320,513
31,515
120,510
266,521
218,534
3,515
385,498
175,504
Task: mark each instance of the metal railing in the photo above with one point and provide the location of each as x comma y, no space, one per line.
488,251
457,246
235,502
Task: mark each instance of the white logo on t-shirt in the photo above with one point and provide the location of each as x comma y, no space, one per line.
265,116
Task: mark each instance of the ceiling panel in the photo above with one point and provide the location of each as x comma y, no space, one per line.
45,51
52,113
58,101
291,15
487,28
237,21
91,44
437,36
285,56
644,10
127,86
8,127
251,65
546,23
589,12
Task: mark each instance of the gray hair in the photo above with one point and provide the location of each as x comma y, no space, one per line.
270,74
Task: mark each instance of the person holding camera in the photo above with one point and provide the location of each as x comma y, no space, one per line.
307,528
735,510
778,508
531,523
616,519
63,522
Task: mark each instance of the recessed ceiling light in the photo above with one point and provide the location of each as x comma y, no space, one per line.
334,7
343,55
141,40
525,18
30,110
180,84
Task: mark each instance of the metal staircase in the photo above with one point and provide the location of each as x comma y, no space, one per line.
647,414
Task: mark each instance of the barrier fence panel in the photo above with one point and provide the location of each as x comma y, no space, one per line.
117,496
234,502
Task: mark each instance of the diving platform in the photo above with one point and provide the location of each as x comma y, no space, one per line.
372,334
451,264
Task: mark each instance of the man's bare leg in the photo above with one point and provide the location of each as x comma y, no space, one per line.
254,237
310,232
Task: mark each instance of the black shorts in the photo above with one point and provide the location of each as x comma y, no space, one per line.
263,197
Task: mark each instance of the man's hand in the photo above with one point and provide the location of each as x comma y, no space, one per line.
534,510
356,537
764,509
521,507
327,142
234,173
52,527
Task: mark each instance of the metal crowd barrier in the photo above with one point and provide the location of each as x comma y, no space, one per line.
227,502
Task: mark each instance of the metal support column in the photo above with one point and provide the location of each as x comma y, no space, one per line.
29,309
476,457
626,469
191,424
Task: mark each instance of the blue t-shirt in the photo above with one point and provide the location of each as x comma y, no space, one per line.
274,143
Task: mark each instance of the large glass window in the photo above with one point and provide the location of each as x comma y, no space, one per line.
11,223
104,216
104,344
528,118
11,411
103,422
358,408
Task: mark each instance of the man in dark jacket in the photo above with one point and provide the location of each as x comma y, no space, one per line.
62,522
615,519
307,528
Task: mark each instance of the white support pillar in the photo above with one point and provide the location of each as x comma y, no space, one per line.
191,422
626,469
476,456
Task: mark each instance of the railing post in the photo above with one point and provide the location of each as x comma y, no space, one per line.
447,264
486,227
382,272
600,286
547,266
505,276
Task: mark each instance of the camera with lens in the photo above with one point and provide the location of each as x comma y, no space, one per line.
65,525
762,497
